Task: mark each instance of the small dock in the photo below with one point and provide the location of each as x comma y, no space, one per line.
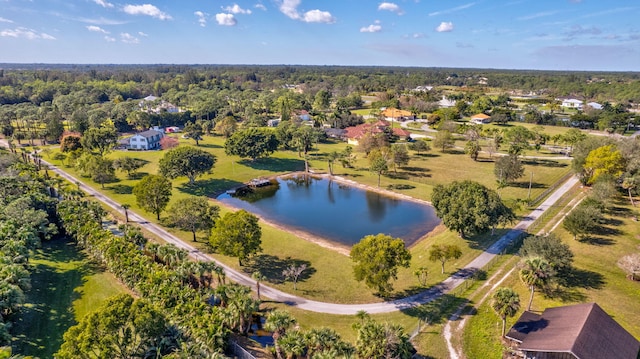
254,183
258,182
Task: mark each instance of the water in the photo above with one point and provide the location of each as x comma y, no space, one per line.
336,212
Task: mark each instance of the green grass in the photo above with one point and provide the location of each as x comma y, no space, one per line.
65,287
331,278
597,279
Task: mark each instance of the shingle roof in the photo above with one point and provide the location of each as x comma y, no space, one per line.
149,133
585,330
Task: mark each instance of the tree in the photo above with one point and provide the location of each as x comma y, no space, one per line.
167,143
468,207
631,265
101,139
398,156
193,214
102,170
126,207
186,161
444,253
573,136
252,143
153,193
382,340
278,322
128,164
322,100
419,146
237,234
508,168
551,248
123,327
193,131
377,163
70,142
227,126
630,183
472,148
376,261
583,220
258,277
293,273
421,273
303,139
605,160
535,273
518,137
506,303
444,140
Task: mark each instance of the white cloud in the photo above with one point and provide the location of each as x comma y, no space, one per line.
448,11
146,9
445,27
127,38
6,20
537,15
415,35
375,27
226,19
202,18
110,39
94,28
290,8
236,9
100,21
103,3
142,34
319,16
23,32
260,6
389,6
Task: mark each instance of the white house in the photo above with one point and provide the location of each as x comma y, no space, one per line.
595,105
147,140
446,103
151,104
480,119
572,103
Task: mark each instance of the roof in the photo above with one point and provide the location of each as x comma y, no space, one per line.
394,112
585,330
150,98
149,133
572,100
481,115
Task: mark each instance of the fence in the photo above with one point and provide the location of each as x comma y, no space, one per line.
238,351
551,188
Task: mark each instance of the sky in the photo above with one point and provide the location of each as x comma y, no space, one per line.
589,35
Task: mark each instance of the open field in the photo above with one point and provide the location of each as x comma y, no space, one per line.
327,267
596,278
66,286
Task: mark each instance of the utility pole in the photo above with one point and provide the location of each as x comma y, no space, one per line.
530,182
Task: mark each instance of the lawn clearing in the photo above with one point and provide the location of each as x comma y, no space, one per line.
66,286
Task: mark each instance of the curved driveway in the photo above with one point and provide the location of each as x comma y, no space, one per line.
428,295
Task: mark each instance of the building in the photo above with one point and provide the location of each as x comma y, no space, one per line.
581,331
394,114
572,103
446,103
595,105
142,141
480,119
152,104
355,133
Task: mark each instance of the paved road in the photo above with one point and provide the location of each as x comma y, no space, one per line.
428,295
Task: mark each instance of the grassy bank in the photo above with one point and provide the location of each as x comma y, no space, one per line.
65,287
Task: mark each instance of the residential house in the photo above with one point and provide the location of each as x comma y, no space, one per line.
572,103
480,119
594,105
580,331
151,104
147,140
394,114
446,103
303,115
355,133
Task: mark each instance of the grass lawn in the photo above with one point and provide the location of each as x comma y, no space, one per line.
66,286
597,278
328,268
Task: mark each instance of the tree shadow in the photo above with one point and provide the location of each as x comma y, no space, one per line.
274,164
40,325
208,187
427,155
545,163
121,189
597,241
272,267
138,175
525,184
436,311
582,278
209,145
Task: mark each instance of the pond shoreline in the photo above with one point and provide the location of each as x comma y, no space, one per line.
323,242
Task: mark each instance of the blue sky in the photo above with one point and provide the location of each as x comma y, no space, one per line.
504,34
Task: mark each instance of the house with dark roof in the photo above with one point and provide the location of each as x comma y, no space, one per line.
147,140
581,331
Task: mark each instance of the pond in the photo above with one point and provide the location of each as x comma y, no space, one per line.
335,211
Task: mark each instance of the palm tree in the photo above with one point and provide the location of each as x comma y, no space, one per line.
293,344
536,272
506,303
278,322
258,277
